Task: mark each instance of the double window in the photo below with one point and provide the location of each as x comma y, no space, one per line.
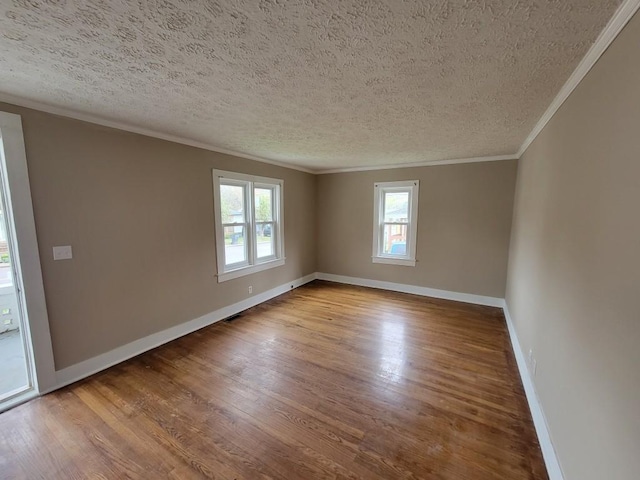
395,217
249,230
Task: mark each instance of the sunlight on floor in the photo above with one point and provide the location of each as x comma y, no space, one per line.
392,354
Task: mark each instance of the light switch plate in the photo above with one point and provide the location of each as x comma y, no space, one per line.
62,253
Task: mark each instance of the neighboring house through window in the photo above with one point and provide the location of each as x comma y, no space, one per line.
395,217
248,222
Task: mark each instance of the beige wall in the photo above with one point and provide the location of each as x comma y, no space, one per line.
463,226
138,213
574,270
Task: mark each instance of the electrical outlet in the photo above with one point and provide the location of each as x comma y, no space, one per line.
250,289
530,356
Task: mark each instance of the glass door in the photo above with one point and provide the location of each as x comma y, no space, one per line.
15,371
27,366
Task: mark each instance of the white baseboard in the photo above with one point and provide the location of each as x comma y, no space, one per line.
414,289
101,362
548,451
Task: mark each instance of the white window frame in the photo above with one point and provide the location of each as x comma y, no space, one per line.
252,264
379,190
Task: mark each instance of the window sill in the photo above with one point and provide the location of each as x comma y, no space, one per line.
241,272
407,262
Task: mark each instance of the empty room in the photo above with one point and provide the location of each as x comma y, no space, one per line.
386,239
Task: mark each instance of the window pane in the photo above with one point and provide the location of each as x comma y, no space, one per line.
232,203
265,240
395,240
396,206
235,246
264,204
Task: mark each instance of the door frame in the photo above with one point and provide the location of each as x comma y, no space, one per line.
26,258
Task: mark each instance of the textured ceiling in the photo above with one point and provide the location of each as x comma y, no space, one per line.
317,83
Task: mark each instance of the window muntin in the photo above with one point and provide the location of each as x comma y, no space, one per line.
249,230
395,222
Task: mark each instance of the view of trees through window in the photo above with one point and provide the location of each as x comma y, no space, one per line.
236,219
232,203
264,221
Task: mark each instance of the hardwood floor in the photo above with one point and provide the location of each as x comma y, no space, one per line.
327,381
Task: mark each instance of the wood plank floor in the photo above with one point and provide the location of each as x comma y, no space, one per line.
327,381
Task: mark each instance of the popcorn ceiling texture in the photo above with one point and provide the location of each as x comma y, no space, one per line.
317,83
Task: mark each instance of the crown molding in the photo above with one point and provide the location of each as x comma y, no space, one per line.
620,18
623,14
453,161
95,119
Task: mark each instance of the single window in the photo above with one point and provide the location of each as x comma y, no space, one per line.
395,218
249,229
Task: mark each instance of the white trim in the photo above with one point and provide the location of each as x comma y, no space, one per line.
539,421
18,400
406,262
246,177
96,364
434,163
621,17
413,289
252,264
27,256
542,429
623,14
95,119
412,187
248,270
101,362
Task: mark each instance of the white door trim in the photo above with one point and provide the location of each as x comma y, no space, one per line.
27,257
